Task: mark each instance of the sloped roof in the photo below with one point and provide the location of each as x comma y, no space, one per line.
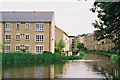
26,16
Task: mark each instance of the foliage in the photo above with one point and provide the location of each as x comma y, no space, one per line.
82,35
61,44
82,54
2,46
58,50
80,45
114,58
23,50
55,43
35,58
47,52
74,50
30,58
108,25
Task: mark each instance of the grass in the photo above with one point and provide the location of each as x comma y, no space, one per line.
36,58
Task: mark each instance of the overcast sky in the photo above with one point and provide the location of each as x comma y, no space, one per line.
73,17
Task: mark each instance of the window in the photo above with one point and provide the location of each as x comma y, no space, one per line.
8,27
39,49
7,49
39,27
39,38
27,48
27,37
17,48
27,26
18,26
8,38
17,36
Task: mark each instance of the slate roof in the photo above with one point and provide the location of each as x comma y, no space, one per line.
26,16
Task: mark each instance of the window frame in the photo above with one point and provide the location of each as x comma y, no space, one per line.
27,26
8,40
26,37
38,51
39,40
16,37
7,51
40,26
28,47
17,26
16,48
9,27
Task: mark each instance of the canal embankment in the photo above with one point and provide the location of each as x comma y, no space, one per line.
38,58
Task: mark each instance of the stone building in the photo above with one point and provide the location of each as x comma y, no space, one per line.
60,34
33,31
92,44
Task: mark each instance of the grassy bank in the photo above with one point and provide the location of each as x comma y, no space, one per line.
112,54
36,58
107,53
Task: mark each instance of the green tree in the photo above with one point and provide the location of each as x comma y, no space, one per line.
61,44
55,43
108,25
2,46
80,45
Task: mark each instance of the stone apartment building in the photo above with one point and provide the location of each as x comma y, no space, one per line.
60,34
33,31
74,41
71,42
92,44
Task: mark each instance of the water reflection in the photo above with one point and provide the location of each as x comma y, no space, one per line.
93,66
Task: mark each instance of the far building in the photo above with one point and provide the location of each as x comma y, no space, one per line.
92,44
60,34
71,42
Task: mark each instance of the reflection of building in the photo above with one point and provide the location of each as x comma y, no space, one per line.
92,44
33,31
60,34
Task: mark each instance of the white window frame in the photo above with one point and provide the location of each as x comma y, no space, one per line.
8,40
27,26
28,48
7,27
16,48
39,40
16,36
7,51
17,26
38,51
40,27
26,37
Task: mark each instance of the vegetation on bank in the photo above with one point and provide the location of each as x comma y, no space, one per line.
37,58
114,56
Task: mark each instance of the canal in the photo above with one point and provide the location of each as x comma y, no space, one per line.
94,66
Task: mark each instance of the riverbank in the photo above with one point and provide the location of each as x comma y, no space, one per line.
112,54
37,58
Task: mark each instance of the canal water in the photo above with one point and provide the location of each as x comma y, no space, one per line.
93,66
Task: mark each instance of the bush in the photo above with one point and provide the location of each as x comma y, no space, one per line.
115,58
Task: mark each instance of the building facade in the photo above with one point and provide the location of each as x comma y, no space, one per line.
60,34
92,44
33,31
72,42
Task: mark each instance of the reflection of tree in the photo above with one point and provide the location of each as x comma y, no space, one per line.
105,66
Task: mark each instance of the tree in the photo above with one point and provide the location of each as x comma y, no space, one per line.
61,44
108,25
55,44
80,45
2,46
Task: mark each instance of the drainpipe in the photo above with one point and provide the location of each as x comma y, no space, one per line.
49,36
